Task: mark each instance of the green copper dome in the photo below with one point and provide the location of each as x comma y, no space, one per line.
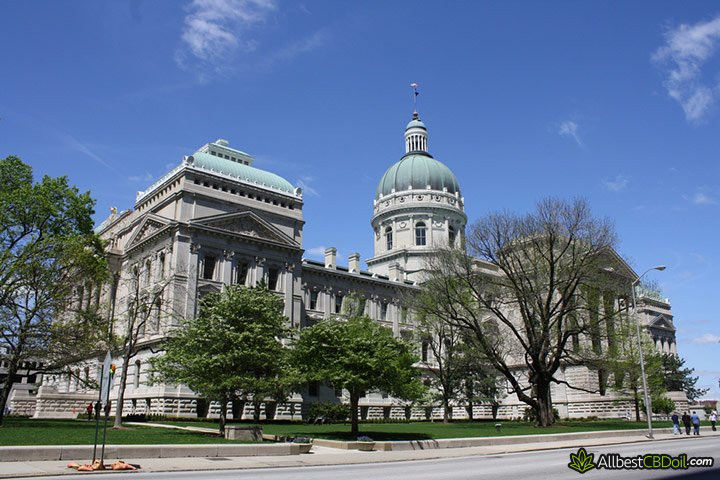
417,123
240,171
417,170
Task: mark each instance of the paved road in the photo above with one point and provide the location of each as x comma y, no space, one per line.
525,466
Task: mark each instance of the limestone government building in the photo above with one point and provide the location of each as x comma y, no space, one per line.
216,220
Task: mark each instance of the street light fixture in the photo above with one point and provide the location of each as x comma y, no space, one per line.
648,407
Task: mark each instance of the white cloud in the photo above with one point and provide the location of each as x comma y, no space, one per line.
305,184
618,183
702,199
319,252
141,178
706,338
687,48
316,251
570,129
83,148
215,29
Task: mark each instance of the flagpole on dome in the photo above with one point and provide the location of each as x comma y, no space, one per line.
415,86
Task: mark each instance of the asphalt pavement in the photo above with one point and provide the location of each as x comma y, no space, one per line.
536,465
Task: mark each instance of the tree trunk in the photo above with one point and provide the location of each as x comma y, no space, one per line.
545,416
256,409
7,386
446,409
469,394
121,390
354,400
223,414
636,401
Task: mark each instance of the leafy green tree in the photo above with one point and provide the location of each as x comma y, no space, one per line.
231,349
679,378
358,355
662,404
47,250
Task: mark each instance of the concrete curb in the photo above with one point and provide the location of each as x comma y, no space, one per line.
84,452
507,440
400,446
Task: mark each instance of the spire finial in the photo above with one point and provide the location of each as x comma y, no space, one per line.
415,86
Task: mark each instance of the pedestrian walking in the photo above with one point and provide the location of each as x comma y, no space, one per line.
696,424
89,410
676,424
713,420
687,422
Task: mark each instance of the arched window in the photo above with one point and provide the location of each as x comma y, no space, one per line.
451,235
420,238
388,238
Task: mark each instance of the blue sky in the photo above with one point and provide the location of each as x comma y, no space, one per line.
614,101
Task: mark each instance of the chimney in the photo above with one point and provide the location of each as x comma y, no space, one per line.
395,273
331,257
354,263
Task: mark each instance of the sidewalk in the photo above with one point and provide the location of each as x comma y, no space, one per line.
330,456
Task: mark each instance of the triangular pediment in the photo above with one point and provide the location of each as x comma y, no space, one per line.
147,227
662,321
247,224
618,264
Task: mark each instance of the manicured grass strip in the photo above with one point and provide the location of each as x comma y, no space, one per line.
24,431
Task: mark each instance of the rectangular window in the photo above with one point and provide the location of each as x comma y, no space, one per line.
420,236
161,266
209,267
338,303
313,300
404,314
273,276
383,311
241,271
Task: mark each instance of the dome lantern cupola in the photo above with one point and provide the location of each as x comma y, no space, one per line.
416,135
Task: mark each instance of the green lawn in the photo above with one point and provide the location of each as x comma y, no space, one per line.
24,431
434,430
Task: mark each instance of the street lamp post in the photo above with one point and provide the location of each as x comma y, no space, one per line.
648,407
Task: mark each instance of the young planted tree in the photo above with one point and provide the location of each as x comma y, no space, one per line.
358,355
480,382
679,378
231,349
459,372
47,249
144,305
442,358
524,290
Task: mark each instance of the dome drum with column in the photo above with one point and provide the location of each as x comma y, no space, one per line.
418,207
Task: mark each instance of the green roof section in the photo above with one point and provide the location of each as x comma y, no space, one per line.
415,123
246,173
417,170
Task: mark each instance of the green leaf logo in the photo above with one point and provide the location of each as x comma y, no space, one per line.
581,462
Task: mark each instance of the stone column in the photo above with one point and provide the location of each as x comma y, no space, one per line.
227,267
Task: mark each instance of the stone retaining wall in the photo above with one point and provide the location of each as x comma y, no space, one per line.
83,453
